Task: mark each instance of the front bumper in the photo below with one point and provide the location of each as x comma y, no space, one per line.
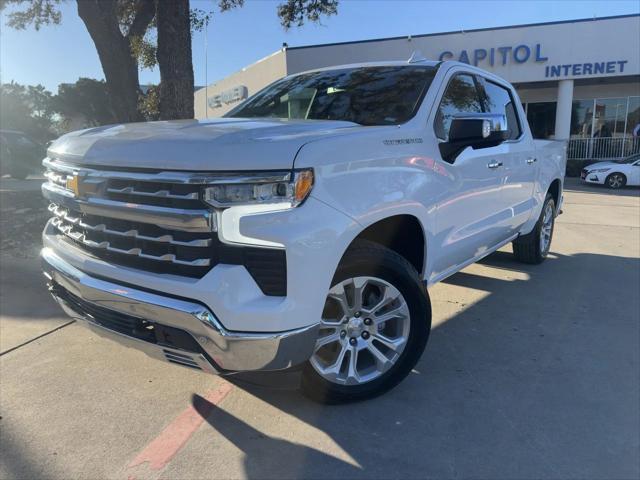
191,334
591,177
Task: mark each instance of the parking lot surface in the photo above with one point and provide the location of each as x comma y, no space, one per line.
530,372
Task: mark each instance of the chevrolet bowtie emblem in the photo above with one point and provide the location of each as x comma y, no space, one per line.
73,184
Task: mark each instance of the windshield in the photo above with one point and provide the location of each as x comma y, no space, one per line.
367,95
631,159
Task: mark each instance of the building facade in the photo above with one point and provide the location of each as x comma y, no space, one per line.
577,80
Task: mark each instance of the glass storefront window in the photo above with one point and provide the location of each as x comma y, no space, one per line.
601,128
542,119
609,118
605,128
581,118
632,141
633,117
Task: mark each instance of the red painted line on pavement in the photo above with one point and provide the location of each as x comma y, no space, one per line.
166,445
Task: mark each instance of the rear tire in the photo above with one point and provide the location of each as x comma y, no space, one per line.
534,247
383,299
615,180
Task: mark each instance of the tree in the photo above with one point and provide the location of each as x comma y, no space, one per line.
105,20
174,59
122,31
87,100
27,109
114,26
174,44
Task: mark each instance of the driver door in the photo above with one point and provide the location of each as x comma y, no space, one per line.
470,215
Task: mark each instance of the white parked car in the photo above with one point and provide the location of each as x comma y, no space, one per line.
302,229
614,174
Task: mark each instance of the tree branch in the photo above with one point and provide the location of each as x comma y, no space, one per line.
145,11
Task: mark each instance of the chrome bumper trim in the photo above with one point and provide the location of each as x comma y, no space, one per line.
229,351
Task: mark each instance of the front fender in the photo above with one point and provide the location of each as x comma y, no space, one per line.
369,181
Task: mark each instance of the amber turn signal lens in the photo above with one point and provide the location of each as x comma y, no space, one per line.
304,182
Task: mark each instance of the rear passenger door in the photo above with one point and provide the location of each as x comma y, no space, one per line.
517,155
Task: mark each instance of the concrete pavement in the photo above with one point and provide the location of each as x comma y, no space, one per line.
530,372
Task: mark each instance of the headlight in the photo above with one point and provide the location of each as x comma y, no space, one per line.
600,170
257,189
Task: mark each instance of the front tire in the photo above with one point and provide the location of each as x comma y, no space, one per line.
534,247
374,327
615,180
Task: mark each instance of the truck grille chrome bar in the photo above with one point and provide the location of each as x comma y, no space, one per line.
195,220
159,193
101,227
105,245
174,178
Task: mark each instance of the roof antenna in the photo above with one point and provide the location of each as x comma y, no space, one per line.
416,57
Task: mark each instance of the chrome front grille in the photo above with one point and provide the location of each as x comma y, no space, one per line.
152,221
135,222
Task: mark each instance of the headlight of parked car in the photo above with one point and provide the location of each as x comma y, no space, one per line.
257,189
600,170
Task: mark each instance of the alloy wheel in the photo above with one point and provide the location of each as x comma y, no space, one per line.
547,228
616,181
363,331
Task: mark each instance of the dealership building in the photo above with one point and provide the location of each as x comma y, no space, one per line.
577,79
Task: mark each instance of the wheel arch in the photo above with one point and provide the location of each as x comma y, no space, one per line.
402,233
555,190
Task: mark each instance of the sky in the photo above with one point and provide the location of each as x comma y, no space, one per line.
235,39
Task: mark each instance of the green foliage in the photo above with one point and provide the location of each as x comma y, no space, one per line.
83,104
37,12
30,109
144,50
296,12
27,109
149,103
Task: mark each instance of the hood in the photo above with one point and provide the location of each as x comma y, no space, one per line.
595,166
230,144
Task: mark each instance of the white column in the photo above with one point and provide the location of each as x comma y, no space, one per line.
563,109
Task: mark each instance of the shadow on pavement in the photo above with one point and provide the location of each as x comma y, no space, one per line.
23,291
269,457
537,379
17,459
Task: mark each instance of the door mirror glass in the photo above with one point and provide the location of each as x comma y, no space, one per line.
480,130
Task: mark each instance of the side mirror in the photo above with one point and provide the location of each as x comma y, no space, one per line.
481,130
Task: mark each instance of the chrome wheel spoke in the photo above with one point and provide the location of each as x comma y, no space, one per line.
358,284
394,344
332,371
353,377
382,361
400,311
328,339
388,297
341,298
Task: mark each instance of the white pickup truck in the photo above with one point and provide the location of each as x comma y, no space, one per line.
302,229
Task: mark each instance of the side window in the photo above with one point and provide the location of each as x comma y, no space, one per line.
497,99
461,96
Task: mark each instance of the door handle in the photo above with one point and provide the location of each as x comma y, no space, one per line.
531,161
494,164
